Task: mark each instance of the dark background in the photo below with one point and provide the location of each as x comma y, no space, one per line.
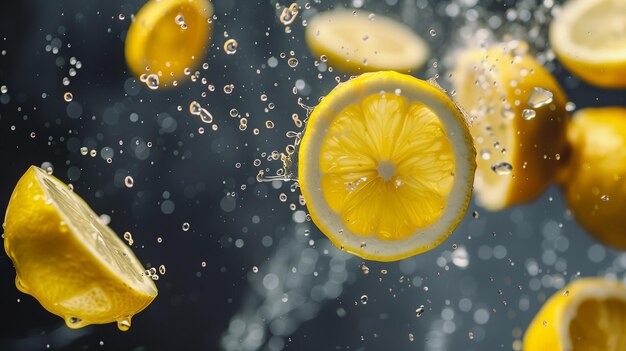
517,257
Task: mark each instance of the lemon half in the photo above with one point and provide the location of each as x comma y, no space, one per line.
518,122
168,36
386,166
359,41
595,179
589,37
74,265
588,314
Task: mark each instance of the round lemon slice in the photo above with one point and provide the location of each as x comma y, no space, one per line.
589,37
359,41
386,166
74,265
595,180
167,37
588,314
518,122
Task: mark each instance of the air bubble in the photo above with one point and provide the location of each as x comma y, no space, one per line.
129,181
230,46
502,168
68,97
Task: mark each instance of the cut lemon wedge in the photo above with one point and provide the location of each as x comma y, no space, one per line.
386,166
167,37
519,122
589,37
588,314
358,41
74,265
595,179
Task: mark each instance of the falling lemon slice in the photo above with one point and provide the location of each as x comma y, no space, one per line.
386,166
589,37
358,41
166,37
74,265
519,122
595,180
588,314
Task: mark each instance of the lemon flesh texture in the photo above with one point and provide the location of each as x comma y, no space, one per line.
589,38
494,87
386,166
589,314
74,265
359,41
595,184
157,44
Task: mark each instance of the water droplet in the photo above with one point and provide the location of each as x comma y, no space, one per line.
186,226
539,97
419,311
68,96
570,106
364,299
433,32
73,321
292,62
255,269
604,198
411,337
84,151
365,269
230,46
195,108
475,214
528,114
289,14
485,154
566,293
129,181
470,335
162,269
123,324
152,81
502,168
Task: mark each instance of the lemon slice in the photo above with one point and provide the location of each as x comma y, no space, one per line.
167,37
595,180
74,265
518,125
589,37
588,314
358,41
386,166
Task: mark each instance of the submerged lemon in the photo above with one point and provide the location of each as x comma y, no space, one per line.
589,37
166,37
359,41
386,166
595,180
74,265
586,315
518,122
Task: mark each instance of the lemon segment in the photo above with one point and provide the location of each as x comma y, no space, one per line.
595,179
587,314
168,36
386,166
74,265
358,41
589,38
518,122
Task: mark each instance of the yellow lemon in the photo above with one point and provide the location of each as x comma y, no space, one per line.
166,37
518,122
586,315
74,265
359,41
589,38
386,166
595,180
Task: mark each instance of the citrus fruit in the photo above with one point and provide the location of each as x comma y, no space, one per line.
518,121
589,38
595,180
167,37
586,315
359,41
74,265
386,166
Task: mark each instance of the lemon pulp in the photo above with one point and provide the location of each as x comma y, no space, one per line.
387,166
595,324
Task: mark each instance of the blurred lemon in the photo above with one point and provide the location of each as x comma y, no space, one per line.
589,37
359,41
74,265
586,315
518,122
595,180
166,37
386,166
